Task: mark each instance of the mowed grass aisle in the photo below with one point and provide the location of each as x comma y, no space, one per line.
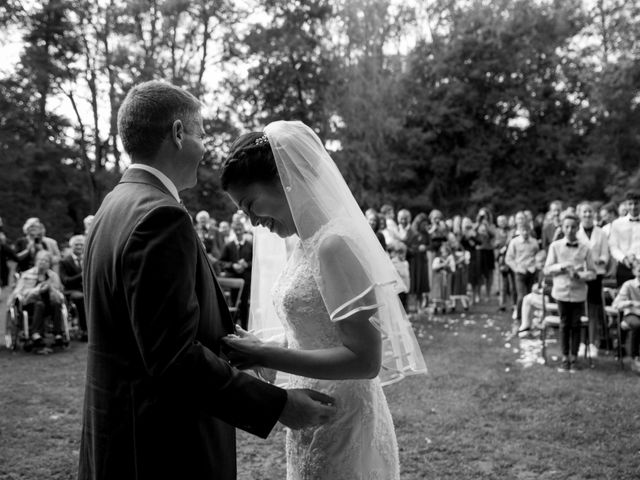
486,410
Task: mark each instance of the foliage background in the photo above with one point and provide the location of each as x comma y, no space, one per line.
441,103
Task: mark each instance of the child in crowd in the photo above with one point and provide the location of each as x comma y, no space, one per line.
398,253
460,277
571,265
443,267
628,300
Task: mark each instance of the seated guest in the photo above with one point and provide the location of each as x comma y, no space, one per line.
40,292
628,300
235,261
206,233
71,276
570,264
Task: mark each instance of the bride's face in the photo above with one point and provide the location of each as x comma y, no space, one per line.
266,205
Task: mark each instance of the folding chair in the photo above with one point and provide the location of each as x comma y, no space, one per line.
228,286
551,320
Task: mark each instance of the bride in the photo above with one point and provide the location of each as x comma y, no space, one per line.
336,300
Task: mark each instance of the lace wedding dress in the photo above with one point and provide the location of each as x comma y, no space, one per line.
360,443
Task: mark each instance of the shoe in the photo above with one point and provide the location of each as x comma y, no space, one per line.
502,308
58,341
524,333
573,367
564,367
593,351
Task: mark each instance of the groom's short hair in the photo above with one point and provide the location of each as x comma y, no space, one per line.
148,112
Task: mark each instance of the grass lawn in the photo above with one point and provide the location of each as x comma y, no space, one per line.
487,410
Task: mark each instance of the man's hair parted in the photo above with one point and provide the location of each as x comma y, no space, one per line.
148,112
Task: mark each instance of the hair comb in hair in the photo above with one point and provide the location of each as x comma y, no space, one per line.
261,140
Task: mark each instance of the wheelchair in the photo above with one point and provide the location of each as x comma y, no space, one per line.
18,334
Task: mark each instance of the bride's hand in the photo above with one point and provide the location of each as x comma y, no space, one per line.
246,349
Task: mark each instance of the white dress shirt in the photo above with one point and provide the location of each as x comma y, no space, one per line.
166,181
599,246
624,237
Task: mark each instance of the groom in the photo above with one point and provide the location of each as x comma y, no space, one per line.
161,400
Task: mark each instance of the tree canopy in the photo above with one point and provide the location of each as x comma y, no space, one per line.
447,104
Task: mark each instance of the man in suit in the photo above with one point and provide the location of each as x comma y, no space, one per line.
71,276
235,261
161,399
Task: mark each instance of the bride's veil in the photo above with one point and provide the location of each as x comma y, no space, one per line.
353,271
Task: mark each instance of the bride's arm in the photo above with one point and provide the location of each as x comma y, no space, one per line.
359,356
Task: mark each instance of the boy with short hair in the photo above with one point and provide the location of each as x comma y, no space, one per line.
571,265
628,300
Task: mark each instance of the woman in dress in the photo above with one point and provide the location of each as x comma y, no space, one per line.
336,296
417,245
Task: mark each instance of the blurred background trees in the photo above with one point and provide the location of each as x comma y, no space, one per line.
439,103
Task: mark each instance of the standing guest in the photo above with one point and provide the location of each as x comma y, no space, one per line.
460,277
469,242
41,294
535,223
6,254
628,300
28,246
390,229
235,261
485,255
443,266
624,238
51,247
398,253
438,234
521,259
404,225
506,277
87,221
71,277
570,264
608,213
592,235
456,226
552,223
623,208
417,244
375,223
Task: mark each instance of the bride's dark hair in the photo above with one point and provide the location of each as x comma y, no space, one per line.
250,161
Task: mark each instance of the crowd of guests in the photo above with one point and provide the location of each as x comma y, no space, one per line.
564,255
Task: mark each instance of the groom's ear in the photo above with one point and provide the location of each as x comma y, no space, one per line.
177,134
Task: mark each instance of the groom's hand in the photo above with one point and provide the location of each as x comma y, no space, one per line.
307,408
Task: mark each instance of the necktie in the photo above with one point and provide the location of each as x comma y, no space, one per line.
637,219
572,245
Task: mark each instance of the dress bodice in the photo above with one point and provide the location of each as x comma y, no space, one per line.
299,305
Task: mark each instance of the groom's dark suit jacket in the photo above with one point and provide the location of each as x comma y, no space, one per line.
161,402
